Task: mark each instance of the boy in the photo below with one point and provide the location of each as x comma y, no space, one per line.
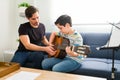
67,64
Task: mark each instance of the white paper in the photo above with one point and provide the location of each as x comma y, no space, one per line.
24,75
115,38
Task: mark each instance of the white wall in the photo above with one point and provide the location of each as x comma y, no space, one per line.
44,7
8,26
9,22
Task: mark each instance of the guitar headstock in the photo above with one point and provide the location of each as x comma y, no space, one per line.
84,49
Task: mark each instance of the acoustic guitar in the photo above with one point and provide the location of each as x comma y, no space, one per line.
60,43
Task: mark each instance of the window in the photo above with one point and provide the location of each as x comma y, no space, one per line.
86,13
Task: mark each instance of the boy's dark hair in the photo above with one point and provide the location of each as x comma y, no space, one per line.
30,11
63,19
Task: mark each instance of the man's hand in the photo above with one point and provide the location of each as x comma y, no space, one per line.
50,50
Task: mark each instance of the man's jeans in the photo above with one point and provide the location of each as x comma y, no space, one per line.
24,57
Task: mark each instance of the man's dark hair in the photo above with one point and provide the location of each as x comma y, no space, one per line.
63,19
30,11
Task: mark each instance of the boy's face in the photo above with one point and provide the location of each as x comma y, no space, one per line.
63,29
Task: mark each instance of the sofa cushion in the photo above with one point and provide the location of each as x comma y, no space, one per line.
98,67
93,67
95,40
99,39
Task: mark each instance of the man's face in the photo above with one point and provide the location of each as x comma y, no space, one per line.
34,20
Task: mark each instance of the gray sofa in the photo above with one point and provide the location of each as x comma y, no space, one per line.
99,62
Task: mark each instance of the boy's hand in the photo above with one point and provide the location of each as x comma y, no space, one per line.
69,51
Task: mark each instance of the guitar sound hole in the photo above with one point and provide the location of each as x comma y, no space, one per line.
62,54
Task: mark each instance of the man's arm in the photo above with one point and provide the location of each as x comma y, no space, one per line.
26,42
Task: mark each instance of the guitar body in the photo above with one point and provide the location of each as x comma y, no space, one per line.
60,44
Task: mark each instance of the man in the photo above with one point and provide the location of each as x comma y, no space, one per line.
31,35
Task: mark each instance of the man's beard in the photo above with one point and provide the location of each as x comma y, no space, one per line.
36,25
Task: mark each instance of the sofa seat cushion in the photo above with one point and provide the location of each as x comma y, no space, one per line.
96,59
95,64
99,67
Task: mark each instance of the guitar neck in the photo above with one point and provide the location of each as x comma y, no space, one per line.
62,47
78,49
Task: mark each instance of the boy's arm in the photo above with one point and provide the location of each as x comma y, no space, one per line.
52,36
71,52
